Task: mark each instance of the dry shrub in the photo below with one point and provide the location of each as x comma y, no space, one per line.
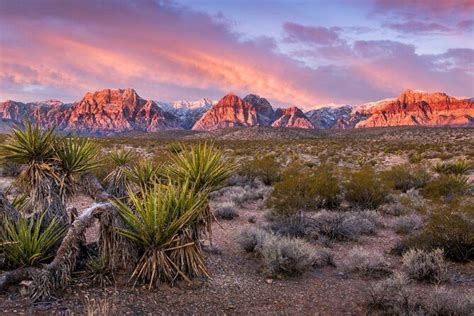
346,226
226,210
420,265
287,256
366,262
443,301
396,296
251,237
283,255
408,224
393,296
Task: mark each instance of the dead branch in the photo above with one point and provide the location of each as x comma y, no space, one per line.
93,188
56,275
7,210
16,276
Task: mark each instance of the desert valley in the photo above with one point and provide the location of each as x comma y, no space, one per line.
317,159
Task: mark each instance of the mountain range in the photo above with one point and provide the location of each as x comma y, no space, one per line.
111,111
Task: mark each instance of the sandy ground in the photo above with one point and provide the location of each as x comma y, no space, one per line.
237,285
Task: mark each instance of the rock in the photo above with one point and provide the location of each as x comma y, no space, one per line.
230,111
291,117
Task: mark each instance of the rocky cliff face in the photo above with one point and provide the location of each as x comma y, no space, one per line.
417,108
265,112
230,111
112,111
117,111
105,111
291,117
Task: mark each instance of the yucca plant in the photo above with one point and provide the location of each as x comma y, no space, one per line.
155,219
144,174
203,166
28,242
459,167
34,149
73,157
117,179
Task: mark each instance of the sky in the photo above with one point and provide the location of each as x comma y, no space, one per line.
303,53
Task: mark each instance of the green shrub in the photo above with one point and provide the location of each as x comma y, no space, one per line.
446,187
27,243
365,189
460,167
406,177
265,168
449,228
304,189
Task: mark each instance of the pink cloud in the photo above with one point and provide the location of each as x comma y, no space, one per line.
166,52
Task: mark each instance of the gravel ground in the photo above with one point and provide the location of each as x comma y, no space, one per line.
237,286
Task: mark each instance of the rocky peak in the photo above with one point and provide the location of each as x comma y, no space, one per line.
230,111
291,117
264,109
419,108
117,111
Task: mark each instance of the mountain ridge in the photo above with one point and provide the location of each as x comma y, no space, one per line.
111,111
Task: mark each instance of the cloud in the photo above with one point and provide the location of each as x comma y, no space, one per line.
425,8
418,27
466,25
318,35
61,49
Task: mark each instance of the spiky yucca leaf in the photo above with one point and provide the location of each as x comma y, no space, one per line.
459,167
73,157
116,180
27,243
20,203
154,222
122,157
28,145
144,174
202,165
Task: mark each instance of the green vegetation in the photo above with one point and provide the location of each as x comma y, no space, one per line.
406,177
266,168
365,189
27,242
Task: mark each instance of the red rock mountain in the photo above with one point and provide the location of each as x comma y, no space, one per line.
291,117
105,111
110,111
417,108
117,111
230,111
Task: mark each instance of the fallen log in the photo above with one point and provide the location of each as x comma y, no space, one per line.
7,210
16,276
93,188
56,274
